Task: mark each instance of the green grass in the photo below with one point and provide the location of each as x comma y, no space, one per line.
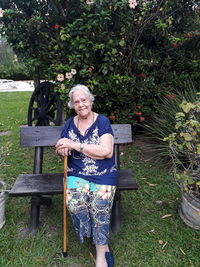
142,225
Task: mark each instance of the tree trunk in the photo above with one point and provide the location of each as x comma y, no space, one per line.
36,79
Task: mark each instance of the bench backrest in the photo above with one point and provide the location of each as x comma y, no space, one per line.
41,136
44,136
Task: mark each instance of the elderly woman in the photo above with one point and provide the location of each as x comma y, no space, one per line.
87,139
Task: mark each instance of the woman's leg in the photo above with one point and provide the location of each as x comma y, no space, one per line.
100,255
101,200
77,204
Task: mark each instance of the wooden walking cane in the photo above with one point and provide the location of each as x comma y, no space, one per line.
65,253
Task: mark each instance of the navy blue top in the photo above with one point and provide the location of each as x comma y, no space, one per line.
101,171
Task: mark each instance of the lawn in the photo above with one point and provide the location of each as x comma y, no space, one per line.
147,238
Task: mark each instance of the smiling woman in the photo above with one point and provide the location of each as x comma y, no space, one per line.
87,140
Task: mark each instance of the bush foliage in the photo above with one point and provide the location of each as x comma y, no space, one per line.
10,66
128,53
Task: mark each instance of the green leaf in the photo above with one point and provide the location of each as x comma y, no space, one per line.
180,115
122,42
81,46
114,51
188,145
105,71
186,106
190,181
186,136
198,149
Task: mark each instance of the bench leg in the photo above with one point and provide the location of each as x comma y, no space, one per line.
116,213
34,216
35,212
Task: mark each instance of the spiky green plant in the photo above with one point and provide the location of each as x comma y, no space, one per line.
162,123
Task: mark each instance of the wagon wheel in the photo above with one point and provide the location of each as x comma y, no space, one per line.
45,106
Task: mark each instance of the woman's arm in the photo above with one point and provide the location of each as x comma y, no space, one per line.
101,151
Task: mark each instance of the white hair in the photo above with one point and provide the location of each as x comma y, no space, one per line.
76,88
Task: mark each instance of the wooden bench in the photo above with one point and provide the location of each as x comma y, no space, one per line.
39,185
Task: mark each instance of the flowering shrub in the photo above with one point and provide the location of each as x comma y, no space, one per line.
129,53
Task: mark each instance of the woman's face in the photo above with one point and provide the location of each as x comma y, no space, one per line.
82,103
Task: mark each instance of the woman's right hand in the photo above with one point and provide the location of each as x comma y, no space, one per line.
62,151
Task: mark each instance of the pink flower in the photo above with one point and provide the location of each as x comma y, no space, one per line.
73,71
138,113
68,76
175,44
138,107
1,12
132,3
89,2
60,77
142,119
56,26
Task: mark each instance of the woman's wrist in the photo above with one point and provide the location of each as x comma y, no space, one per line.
81,147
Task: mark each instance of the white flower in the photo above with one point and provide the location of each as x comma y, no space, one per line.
89,2
68,76
132,3
1,12
73,71
60,77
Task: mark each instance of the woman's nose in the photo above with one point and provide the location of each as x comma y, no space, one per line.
80,103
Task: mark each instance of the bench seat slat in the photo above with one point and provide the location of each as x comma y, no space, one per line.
52,183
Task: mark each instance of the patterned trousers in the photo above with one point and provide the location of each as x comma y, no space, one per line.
90,207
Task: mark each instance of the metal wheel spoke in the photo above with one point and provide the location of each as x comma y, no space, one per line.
41,96
51,102
38,100
47,97
50,118
33,108
51,110
33,119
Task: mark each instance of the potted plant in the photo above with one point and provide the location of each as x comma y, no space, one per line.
3,191
184,144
